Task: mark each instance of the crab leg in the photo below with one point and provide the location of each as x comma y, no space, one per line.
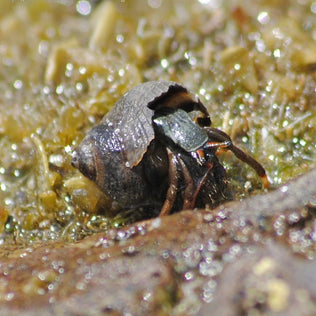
188,197
202,181
173,184
222,140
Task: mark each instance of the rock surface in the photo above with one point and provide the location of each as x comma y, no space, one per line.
257,255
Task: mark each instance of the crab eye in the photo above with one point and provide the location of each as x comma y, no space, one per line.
199,118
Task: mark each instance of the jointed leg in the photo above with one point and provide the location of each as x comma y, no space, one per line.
173,185
252,163
188,196
202,181
220,139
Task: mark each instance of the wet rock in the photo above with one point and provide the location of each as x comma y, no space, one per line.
265,281
240,257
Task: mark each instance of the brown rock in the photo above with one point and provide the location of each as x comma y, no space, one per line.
233,259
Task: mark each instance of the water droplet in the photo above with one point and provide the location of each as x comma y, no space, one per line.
237,66
155,4
43,47
155,223
187,55
260,45
60,89
8,201
209,290
82,70
120,235
130,250
120,38
14,147
164,63
263,17
83,7
110,78
46,90
56,159
188,276
9,296
61,270
121,72
17,173
79,86
81,286
220,88
210,268
293,218
277,53
192,61
18,84
302,142
202,91
205,1
147,296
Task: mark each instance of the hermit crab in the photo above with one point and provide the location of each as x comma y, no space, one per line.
156,149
